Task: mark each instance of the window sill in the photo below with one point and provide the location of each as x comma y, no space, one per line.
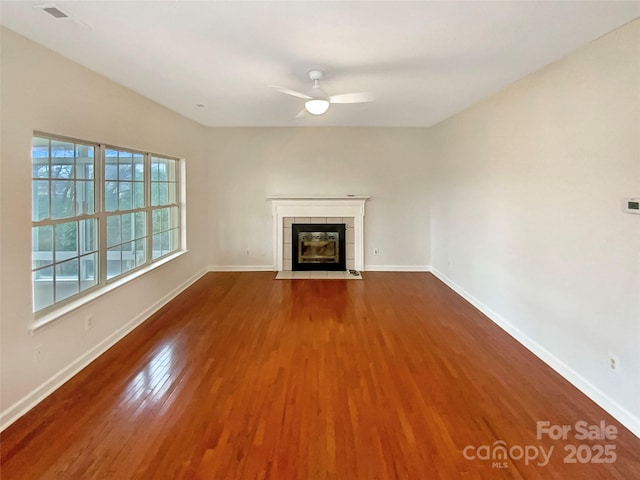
64,310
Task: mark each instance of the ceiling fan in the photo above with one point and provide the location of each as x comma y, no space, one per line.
317,101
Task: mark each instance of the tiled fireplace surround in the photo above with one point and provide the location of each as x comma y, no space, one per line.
349,237
347,209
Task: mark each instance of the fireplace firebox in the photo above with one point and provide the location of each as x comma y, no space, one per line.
319,246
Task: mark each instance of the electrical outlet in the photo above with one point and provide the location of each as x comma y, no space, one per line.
614,363
88,322
376,251
37,354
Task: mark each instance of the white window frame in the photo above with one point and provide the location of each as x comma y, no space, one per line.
104,283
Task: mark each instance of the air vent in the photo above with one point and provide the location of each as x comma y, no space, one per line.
55,12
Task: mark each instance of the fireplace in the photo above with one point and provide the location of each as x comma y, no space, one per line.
318,246
347,209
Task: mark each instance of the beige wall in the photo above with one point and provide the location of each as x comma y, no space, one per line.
43,91
527,217
389,164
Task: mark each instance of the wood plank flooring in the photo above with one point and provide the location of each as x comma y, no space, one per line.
245,377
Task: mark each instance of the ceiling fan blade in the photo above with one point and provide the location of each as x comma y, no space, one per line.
291,92
301,113
359,97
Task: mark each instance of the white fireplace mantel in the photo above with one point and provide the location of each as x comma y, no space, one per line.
318,206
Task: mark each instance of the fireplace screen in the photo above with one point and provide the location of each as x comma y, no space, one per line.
318,246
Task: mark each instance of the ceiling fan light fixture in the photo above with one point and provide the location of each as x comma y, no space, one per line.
317,102
316,106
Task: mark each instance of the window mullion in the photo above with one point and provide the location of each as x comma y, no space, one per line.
50,183
148,207
178,182
102,216
53,227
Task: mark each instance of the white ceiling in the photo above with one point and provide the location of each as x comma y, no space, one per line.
424,61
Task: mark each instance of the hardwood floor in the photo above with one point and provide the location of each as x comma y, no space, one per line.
245,377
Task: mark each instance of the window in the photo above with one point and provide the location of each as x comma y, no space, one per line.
99,213
126,215
164,202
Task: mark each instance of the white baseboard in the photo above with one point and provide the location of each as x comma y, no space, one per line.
241,268
367,268
397,268
616,410
22,406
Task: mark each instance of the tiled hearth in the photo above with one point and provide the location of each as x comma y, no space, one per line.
287,237
318,275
